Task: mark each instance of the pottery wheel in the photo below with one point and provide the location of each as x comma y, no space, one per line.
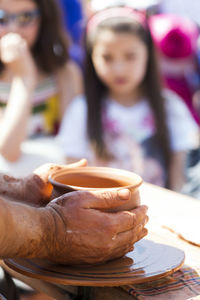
147,262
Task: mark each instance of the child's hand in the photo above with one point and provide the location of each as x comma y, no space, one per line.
15,54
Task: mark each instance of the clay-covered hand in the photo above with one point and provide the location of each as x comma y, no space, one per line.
36,187
82,232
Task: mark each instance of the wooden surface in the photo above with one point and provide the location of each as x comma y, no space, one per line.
175,211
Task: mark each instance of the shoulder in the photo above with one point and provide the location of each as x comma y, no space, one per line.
69,70
174,103
70,80
70,83
177,109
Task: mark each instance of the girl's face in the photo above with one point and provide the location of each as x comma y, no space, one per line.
20,16
120,61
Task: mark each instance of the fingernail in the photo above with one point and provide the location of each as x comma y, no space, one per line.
124,194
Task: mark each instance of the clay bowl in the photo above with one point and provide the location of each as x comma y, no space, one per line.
96,178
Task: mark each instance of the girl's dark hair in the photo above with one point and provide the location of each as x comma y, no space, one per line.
95,90
50,50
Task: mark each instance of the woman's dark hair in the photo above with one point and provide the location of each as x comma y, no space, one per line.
50,50
95,90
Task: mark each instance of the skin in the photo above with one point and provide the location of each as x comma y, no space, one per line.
34,189
77,221
23,74
177,171
120,61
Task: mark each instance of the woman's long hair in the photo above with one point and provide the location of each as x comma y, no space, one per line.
95,90
50,50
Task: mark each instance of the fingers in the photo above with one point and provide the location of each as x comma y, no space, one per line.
46,170
127,228
12,46
96,202
81,163
139,214
135,233
141,234
123,221
99,200
129,238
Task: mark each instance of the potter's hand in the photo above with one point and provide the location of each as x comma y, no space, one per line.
36,187
80,232
15,54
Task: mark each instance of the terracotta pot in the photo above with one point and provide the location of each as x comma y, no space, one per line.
95,178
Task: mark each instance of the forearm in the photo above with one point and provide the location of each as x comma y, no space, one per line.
14,122
24,230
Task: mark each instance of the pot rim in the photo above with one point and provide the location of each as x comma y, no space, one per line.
137,180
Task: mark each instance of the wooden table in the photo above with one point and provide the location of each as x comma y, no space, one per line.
167,209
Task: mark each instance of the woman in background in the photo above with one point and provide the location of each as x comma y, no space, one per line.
37,82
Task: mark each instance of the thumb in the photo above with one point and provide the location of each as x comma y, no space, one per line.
104,199
45,170
80,163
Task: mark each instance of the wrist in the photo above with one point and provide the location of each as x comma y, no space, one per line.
26,82
25,231
53,241
47,245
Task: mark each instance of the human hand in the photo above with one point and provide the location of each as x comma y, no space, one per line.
36,187
15,54
81,232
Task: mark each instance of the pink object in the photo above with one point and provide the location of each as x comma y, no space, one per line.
175,36
176,39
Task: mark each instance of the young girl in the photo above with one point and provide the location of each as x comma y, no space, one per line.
37,81
125,120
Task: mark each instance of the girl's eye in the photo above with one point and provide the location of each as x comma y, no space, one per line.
4,18
25,18
21,19
4,21
131,56
107,58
